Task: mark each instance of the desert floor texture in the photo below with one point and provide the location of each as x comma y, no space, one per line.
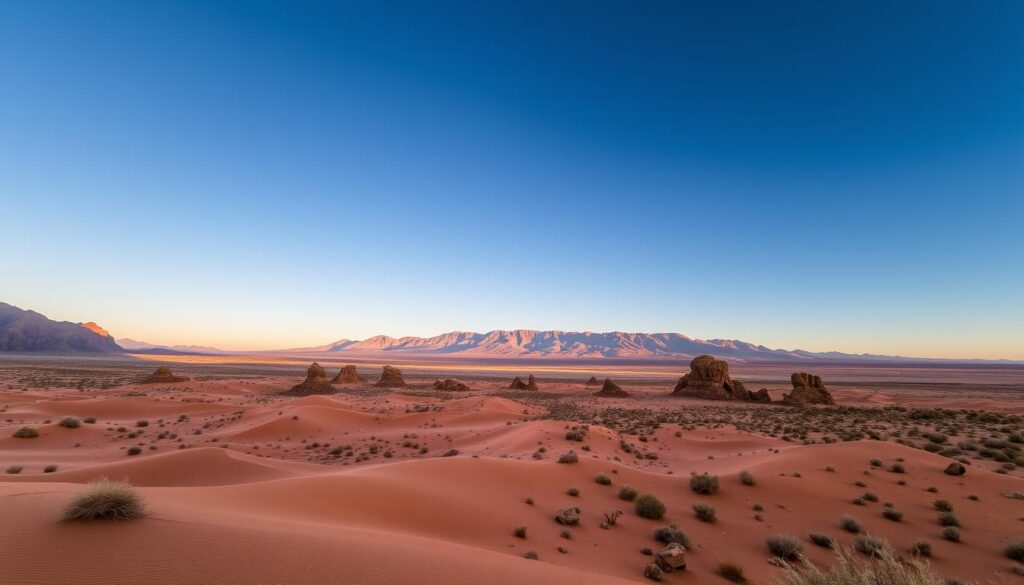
246,485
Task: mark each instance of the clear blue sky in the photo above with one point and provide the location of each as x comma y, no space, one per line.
268,174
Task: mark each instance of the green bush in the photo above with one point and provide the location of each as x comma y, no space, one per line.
648,506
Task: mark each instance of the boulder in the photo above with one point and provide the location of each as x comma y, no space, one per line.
955,468
611,389
671,558
451,385
807,389
347,375
517,384
390,377
760,396
531,382
593,381
162,375
709,379
315,382
568,516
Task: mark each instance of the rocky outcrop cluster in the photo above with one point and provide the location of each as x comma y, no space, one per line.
315,383
390,377
807,389
593,381
162,375
611,390
518,384
347,375
451,385
709,379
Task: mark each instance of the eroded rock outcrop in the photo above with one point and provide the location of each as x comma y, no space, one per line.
451,385
671,558
760,396
347,375
955,468
390,377
593,381
709,379
162,375
518,384
315,383
611,389
807,389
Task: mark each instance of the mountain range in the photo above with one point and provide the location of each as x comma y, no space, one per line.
28,331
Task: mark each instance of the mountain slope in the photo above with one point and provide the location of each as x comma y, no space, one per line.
22,330
527,343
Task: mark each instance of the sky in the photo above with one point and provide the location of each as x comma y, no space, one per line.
818,175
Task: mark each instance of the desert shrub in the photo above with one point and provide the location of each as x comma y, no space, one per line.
603,479
949,519
892,514
850,524
520,532
573,492
14,469
849,571
70,422
821,539
942,505
134,450
105,500
951,533
50,468
26,433
746,478
704,512
875,462
570,457
1015,550
648,506
627,493
89,420
532,555
897,468
870,497
871,546
732,572
142,423
785,547
921,548
654,572
672,534
704,484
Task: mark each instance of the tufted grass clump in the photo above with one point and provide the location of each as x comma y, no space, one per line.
951,533
704,484
850,524
921,548
785,547
704,512
887,569
570,457
104,499
25,433
70,422
747,478
650,507
732,572
603,479
627,493
949,519
1015,550
821,539
673,534
871,546
892,514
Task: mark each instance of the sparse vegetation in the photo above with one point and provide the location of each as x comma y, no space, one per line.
704,484
850,524
672,534
921,548
871,546
627,493
785,547
520,532
1015,550
650,507
887,570
70,422
746,478
951,533
26,433
570,457
105,500
731,572
821,539
603,479
704,512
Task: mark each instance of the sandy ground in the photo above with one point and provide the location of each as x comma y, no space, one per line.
244,485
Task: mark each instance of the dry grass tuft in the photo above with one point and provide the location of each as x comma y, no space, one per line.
104,499
885,569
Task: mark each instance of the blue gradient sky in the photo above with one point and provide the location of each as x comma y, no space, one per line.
263,174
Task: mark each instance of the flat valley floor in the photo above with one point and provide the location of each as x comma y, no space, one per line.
245,485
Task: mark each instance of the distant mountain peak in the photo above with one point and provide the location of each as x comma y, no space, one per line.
91,326
29,331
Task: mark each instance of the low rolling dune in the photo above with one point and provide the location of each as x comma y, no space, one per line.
244,485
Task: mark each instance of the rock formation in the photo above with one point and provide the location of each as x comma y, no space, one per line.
593,381
451,385
568,516
760,396
390,377
955,468
162,375
315,382
611,389
807,389
518,384
671,558
347,375
709,379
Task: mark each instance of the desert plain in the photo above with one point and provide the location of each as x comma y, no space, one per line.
247,482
